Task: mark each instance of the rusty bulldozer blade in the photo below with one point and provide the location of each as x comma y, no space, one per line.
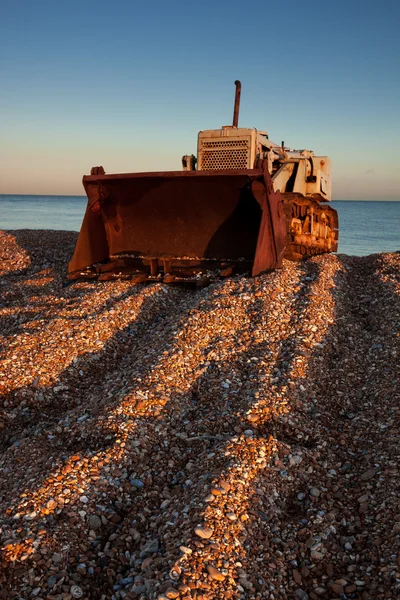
179,224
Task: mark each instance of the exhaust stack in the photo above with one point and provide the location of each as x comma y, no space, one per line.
237,103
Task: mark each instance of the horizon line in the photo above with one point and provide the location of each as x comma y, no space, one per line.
84,196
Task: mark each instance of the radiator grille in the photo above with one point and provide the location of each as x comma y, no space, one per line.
227,154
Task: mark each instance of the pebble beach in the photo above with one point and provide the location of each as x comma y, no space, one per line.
235,442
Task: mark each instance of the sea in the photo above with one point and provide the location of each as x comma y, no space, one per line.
365,227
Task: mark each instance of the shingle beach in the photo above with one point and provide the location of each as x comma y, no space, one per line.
239,441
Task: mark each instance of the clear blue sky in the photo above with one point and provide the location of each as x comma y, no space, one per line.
128,84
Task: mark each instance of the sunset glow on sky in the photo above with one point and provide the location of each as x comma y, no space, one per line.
128,85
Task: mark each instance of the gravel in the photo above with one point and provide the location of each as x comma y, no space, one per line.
239,441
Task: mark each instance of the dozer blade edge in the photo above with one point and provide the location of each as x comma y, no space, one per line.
175,225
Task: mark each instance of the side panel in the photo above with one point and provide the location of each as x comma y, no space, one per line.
226,148
272,237
92,245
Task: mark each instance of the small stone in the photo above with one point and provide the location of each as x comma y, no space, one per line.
345,467
185,550
134,533
215,573
84,500
217,491
336,588
183,588
231,516
310,542
329,570
146,563
126,581
301,594
210,498
368,475
136,483
172,593
151,547
76,591
297,577
348,546
320,591
94,522
138,589
51,504
203,532
57,558
36,556
314,492
175,572
116,518
224,485
51,582
81,569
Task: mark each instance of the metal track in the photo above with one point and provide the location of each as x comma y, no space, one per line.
312,228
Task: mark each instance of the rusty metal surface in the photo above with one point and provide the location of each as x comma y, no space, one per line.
218,216
312,226
272,237
238,85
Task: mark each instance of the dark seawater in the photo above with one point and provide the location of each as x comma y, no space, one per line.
365,227
368,227
42,212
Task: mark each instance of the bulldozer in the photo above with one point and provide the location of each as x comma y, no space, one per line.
241,206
